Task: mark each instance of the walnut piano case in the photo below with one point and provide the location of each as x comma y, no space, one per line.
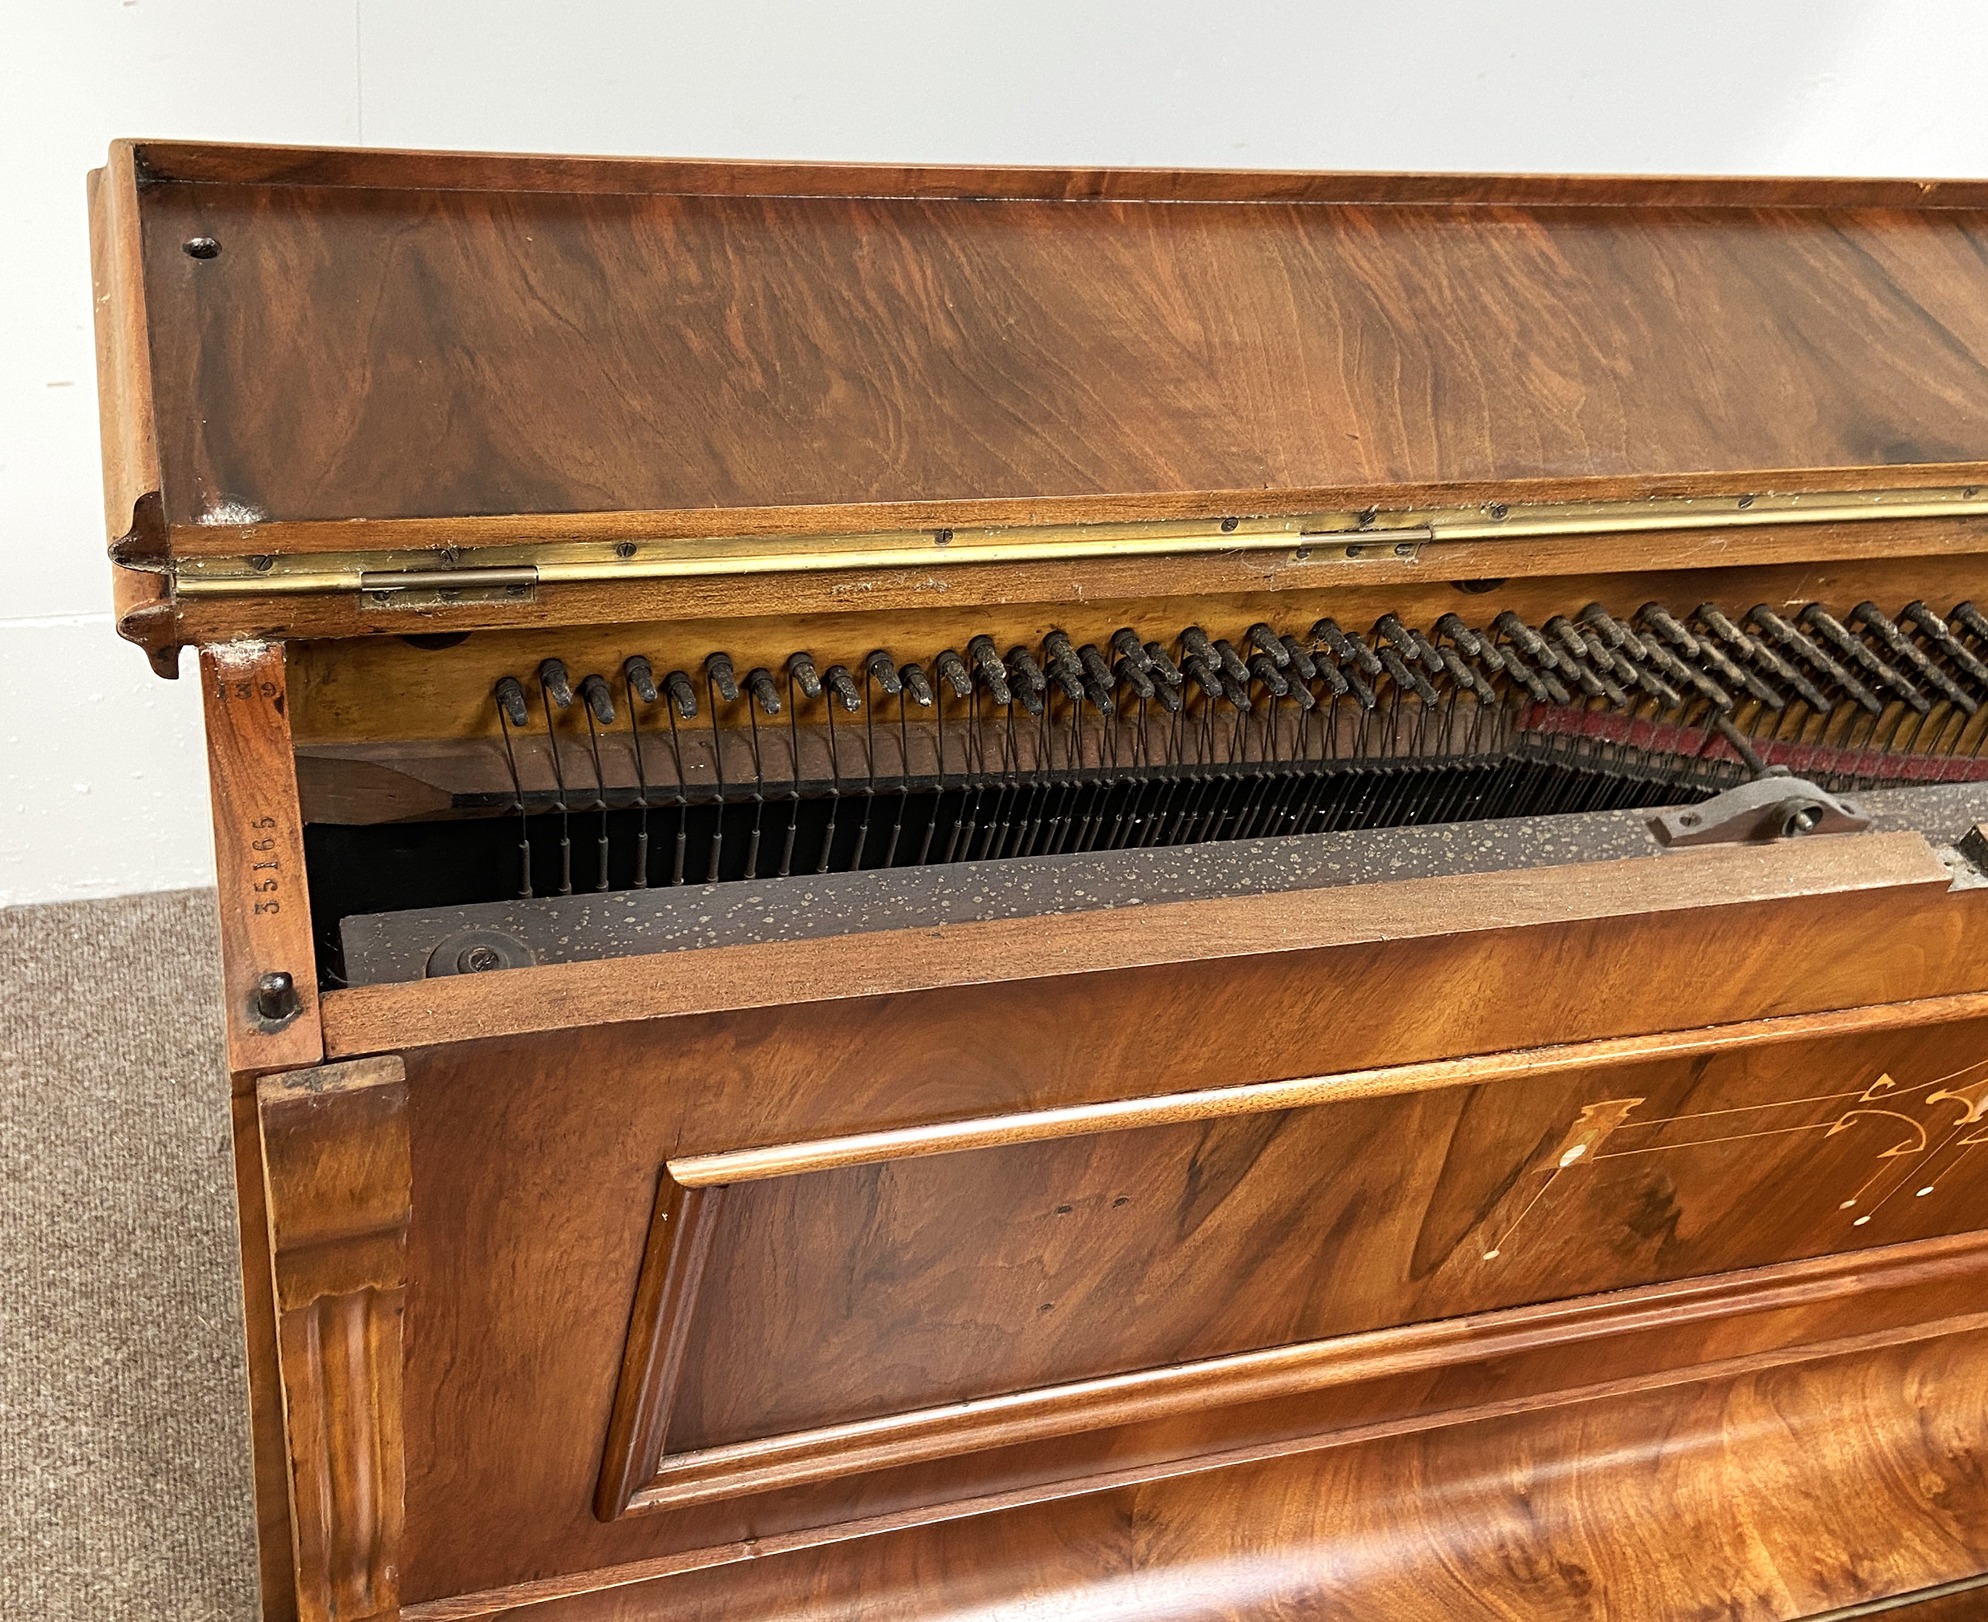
1166,894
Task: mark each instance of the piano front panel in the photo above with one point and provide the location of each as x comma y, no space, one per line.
861,1328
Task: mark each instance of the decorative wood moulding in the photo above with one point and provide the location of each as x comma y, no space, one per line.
338,1181
1346,1388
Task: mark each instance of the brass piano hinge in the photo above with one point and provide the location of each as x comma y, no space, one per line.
434,588
512,572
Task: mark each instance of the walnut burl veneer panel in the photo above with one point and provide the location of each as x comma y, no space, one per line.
866,1292
1777,1494
728,361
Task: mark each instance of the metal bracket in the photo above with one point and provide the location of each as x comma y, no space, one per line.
1775,805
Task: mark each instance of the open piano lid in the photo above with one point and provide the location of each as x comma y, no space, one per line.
323,359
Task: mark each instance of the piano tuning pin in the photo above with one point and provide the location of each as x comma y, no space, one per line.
1906,651
1348,650
1561,630
987,663
1831,630
1287,682
553,679
1659,689
641,677
1329,673
1098,680
1468,642
1970,620
1405,642
1601,626
952,671
1264,669
1528,641
1198,670
1026,677
842,686
1407,675
510,695
882,669
1261,637
802,673
1063,666
1940,634
1463,676
599,701
1785,673
718,671
682,694
1160,665
913,678
1232,662
1296,658
1526,676
1126,644
1237,693
1658,619
1777,630
1194,642
1127,674
763,690
1427,652
1169,697
1713,618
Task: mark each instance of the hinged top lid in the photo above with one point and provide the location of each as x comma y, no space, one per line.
463,350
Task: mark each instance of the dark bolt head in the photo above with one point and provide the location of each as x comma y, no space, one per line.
1498,509
201,248
1229,525
480,959
624,549
276,998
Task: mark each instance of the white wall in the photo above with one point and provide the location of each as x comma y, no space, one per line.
100,781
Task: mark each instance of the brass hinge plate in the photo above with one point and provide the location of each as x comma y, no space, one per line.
439,588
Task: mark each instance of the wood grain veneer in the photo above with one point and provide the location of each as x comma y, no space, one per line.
996,350
1763,1495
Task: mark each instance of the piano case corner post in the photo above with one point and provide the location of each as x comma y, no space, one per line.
337,1181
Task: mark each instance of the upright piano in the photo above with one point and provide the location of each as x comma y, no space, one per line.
991,893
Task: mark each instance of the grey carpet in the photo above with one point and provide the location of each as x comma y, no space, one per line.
124,1481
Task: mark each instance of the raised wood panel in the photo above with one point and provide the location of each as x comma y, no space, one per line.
951,360
1760,1496
336,1183
850,1295
1182,1245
